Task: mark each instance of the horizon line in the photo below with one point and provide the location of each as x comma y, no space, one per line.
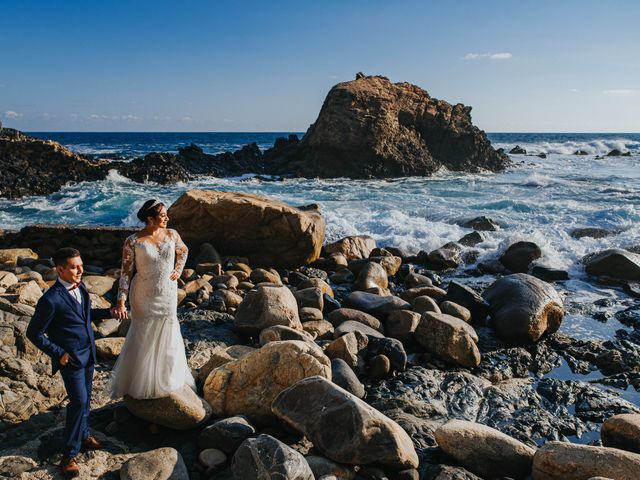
301,132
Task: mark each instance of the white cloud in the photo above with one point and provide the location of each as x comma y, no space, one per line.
620,91
574,90
131,118
488,56
187,119
12,114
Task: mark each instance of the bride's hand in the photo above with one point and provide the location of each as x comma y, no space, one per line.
174,275
119,312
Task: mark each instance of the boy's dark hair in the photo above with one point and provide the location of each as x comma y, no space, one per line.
61,256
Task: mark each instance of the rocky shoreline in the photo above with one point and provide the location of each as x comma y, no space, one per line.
419,375
366,128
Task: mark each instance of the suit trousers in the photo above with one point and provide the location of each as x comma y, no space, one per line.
78,382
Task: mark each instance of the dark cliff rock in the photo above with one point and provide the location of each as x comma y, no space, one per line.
370,127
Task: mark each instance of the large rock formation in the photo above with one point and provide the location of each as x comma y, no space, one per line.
370,127
266,231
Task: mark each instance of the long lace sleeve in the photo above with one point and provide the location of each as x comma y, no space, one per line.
181,252
128,267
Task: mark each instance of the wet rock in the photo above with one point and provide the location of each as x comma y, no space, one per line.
267,306
485,451
614,263
566,461
226,434
180,410
352,248
519,256
247,386
376,305
482,223
471,239
549,274
445,257
448,338
265,457
517,150
314,405
622,431
523,308
159,464
344,377
468,298
592,232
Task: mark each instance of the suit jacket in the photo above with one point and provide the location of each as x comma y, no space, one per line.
60,324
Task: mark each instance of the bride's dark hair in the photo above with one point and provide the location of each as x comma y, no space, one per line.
151,208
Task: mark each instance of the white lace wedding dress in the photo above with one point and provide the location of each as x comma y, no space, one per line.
152,362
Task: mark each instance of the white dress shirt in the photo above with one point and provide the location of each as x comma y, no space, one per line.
74,292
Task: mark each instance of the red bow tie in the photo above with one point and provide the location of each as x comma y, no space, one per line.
73,287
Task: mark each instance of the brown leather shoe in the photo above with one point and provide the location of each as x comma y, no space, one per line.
91,443
70,467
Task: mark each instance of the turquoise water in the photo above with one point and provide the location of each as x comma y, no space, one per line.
538,199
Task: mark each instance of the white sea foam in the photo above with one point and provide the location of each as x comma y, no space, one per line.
591,147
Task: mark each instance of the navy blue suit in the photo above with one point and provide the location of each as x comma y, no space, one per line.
62,325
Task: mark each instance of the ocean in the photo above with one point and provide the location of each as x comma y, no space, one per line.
538,199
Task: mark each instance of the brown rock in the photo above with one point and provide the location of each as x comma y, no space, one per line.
11,254
319,329
567,461
160,464
371,276
401,324
455,310
352,248
347,348
270,233
247,386
341,315
449,338
267,306
425,303
622,431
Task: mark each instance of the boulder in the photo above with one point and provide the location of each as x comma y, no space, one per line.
352,248
482,223
7,279
523,308
372,276
12,254
455,310
319,329
352,326
109,348
207,254
622,431
247,386
267,306
425,303
280,332
376,305
265,457
433,292
180,410
519,256
314,406
317,283
449,339
26,293
98,284
217,357
270,233
310,314
226,434
370,127
323,467
468,298
401,324
310,297
485,451
517,150
413,280
347,347
567,461
445,257
391,348
343,376
212,458
160,464
261,275
615,263
342,315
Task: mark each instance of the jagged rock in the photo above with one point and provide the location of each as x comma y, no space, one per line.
449,338
485,451
615,263
180,410
271,233
523,308
159,464
592,232
447,256
352,248
519,256
622,431
471,239
314,405
247,386
267,306
566,461
265,457
370,127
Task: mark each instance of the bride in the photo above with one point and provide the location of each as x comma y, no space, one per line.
153,362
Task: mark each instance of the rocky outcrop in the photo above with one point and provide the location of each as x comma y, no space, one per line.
266,231
523,308
370,127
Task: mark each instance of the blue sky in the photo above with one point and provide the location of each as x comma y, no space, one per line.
192,65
